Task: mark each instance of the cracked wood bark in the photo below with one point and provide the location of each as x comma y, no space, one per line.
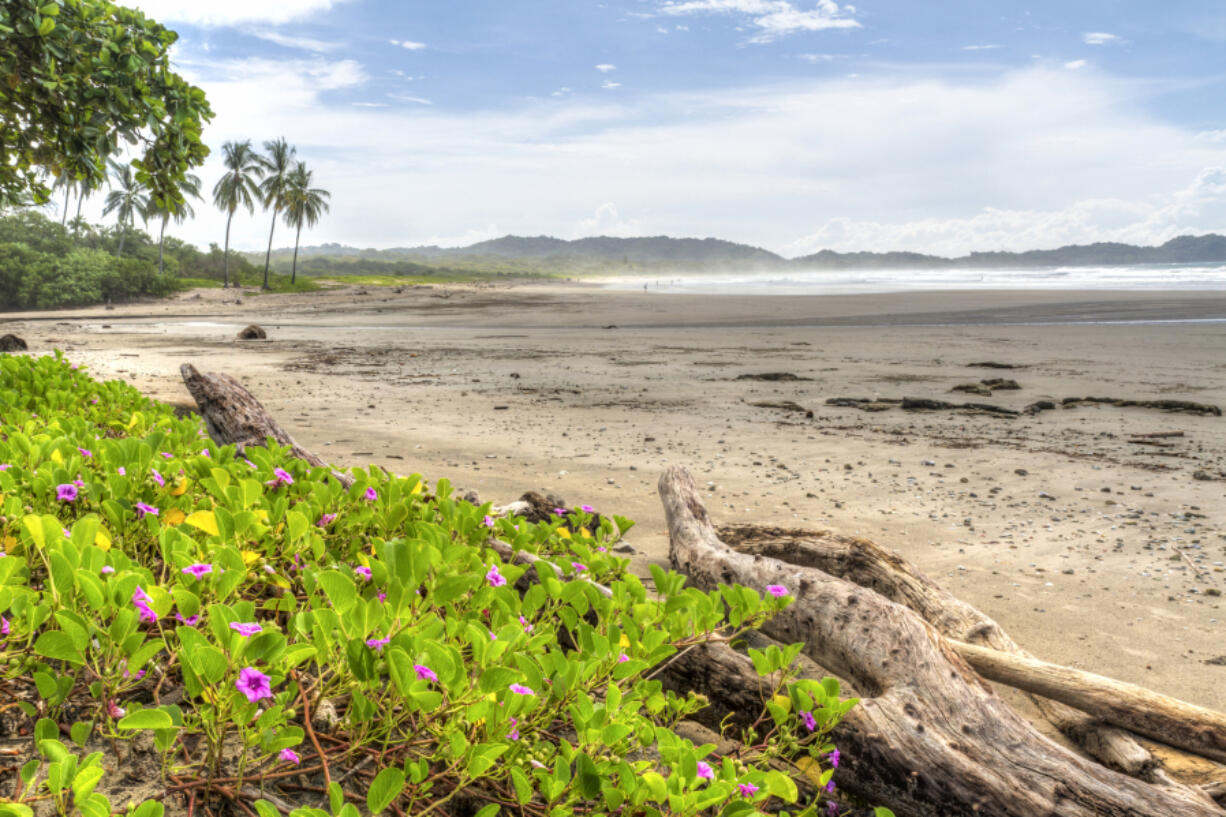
869,565
234,417
931,738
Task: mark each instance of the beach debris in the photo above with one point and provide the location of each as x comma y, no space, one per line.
12,343
774,377
253,332
992,364
924,404
1205,476
1186,406
1000,384
1039,405
973,388
785,405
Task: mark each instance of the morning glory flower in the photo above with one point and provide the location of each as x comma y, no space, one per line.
204,453
514,733
140,600
66,492
424,673
4,626
747,789
810,722
520,689
291,756
254,684
578,566
190,621
834,759
832,807
777,590
527,626
488,521
198,570
371,494
123,472
107,569
158,478
5,467
85,452
587,508
114,710
326,520
364,572
143,510
377,644
559,512
495,578
830,787
623,658
245,629
250,464
705,771
167,455
281,477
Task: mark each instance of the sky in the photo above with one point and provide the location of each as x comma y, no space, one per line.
795,125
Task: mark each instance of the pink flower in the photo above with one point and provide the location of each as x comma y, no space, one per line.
520,689
281,477
578,566
382,596
559,512
377,644
514,733
834,759
601,549
587,508
189,621
66,492
140,600
204,453
326,520
158,478
5,467
198,570
290,756
371,494
143,510
777,590
122,471
747,789
245,629
85,452
254,684
705,771
623,658
488,521
250,464
495,578
5,629
527,626
424,673
115,711
809,720
107,569
167,455
364,572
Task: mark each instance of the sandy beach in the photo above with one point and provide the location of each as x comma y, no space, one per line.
1093,545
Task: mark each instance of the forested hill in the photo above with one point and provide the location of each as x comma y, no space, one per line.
660,251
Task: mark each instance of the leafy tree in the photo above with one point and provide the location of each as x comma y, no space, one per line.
303,205
278,165
79,76
238,187
128,200
177,208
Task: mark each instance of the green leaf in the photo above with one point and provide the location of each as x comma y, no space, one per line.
339,589
58,645
483,757
488,811
147,719
154,808
386,787
47,26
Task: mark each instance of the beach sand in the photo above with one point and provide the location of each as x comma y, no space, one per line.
1090,549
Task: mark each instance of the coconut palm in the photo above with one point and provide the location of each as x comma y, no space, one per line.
277,166
303,205
238,188
176,207
127,199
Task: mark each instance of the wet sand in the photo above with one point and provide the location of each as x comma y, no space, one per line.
1090,548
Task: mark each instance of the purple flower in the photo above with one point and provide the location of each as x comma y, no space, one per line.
326,520
5,467
559,512
364,572
254,684
832,807
167,455
140,600
527,626
189,621
377,644
810,721
114,710
245,629
623,658
66,492
198,570
85,452
250,464
158,478
830,787
514,733
488,521
122,471
520,689
290,756
77,482
143,510
495,578
107,569
578,566
587,508
705,771
281,477
834,759
4,626
371,494
424,673
601,549
747,789
777,590
382,596
204,453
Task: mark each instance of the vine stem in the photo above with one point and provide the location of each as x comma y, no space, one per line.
310,730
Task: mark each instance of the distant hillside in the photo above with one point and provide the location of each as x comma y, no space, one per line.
518,254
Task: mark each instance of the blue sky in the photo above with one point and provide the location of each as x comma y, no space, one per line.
791,124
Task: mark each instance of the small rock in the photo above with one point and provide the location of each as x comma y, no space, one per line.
1021,472
12,343
253,332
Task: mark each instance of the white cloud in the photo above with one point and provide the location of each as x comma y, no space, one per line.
301,43
990,47
408,44
415,100
370,104
607,221
609,85
774,18
814,59
231,12
563,91
606,67
1007,160
1076,65
1100,38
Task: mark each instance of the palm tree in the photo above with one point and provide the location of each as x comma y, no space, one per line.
67,182
238,188
277,166
176,207
128,200
303,205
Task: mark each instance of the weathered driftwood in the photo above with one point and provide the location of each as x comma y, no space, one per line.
930,737
234,417
1139,710
869,565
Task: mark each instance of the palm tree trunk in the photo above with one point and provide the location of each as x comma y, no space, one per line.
161,243
293,278
67,197
123,236
226,259
80,200
268,255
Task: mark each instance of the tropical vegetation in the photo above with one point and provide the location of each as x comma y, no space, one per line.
258,635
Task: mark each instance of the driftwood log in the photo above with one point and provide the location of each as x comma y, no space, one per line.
930,738
234,417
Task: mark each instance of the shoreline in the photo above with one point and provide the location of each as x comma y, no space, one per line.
415,381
